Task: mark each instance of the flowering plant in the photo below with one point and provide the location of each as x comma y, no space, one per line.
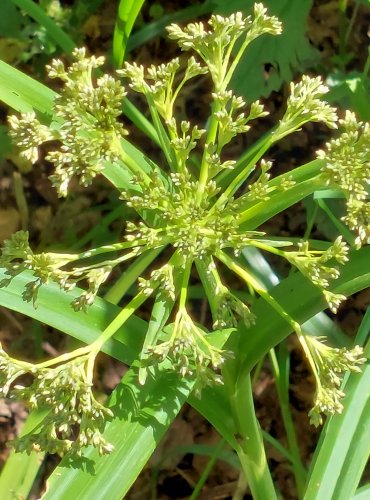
199,208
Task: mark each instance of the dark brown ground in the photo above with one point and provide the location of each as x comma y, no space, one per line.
53,220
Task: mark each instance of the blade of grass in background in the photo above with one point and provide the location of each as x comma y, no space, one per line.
20,469
18,475
158,27
59,36
362,493
128,11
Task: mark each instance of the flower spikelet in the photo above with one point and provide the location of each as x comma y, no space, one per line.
87,123
347,165
304,105
329,365
75,420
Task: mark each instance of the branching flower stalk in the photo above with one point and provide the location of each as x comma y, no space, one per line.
203,221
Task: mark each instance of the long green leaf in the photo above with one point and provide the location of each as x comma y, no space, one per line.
128,11
362,493
54,309
22,92
20,469
18,475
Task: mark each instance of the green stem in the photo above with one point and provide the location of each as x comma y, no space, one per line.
207,470
164,141
258,287
58,360
243,175
342,6
109,248
211,139
130,163
125,281
366,67
118,321
250,448
184,284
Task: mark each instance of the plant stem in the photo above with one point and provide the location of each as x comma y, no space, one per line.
119,320
184,284
211,138
243,175
122,285
250,448
207,470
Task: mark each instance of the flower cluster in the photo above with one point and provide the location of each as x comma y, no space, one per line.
347,166
329,365
87,125
192,203
73,418
317,266
67,270
305,105
190,351
215,46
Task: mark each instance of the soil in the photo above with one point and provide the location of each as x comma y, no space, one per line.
52,221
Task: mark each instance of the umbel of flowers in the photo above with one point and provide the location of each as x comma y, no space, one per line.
184,205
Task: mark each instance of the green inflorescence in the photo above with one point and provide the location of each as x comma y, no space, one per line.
183,206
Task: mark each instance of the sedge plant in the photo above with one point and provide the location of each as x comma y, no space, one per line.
200,210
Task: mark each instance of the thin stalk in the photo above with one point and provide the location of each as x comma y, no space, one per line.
56,361
367,66
282,387
222,177
184,284
351,22
109,248
21,200
119,320
257,286
211,139
207,470
130,163
342,6
243,175
125,281
164,141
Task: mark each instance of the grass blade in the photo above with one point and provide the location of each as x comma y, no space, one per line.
20,469
362,493
54,309
128,11
24,93
59,36
18,475
157,27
